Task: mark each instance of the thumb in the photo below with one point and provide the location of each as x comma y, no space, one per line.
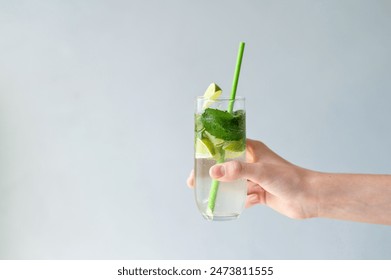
232,170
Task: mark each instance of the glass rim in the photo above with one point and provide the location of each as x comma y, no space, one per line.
240,98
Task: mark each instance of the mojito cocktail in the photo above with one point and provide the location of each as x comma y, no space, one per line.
220,136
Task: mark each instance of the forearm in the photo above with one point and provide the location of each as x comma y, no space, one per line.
354,197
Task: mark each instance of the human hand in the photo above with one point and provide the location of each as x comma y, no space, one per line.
271,180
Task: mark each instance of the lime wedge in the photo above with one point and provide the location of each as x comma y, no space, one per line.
212,93
204,148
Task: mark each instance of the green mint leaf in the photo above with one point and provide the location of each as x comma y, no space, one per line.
224,125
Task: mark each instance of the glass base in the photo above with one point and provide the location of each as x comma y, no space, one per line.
228,217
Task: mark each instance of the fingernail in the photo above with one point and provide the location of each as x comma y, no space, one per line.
218,171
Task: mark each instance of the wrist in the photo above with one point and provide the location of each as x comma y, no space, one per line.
311,183
322,187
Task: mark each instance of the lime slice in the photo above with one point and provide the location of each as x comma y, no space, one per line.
232,155
234,149
215,141
234,146
204,148
212,93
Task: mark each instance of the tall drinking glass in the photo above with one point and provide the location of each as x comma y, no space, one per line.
220,135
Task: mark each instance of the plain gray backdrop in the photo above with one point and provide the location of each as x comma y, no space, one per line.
96,122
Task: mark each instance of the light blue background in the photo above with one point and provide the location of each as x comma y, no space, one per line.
96,122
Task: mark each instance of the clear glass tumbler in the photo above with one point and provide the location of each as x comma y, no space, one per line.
220,135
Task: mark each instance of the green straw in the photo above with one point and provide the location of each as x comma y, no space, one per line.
236,77
215,184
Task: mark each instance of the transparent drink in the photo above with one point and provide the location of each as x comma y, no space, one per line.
219,137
